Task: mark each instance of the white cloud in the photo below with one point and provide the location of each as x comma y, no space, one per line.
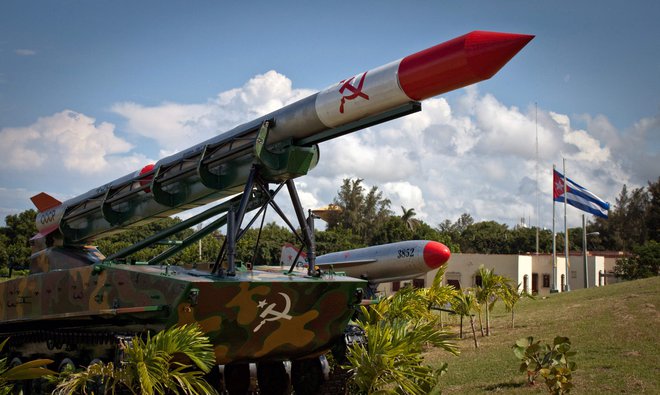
406,195
178,126
173,126
67,139
588,148
377,162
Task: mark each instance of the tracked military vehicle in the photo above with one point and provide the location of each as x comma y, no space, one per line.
76,304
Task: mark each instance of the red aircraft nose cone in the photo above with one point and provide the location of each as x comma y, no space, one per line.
436,254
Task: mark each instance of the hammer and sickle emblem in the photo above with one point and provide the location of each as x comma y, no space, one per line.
355,92
273,314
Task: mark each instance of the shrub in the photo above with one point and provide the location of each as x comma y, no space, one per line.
551,362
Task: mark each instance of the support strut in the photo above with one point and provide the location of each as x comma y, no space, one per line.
308,234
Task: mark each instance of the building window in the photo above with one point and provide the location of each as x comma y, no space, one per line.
396,285
478,281
546,281
454,283
418,283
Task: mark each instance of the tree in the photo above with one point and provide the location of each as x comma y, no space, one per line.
338,239
653,211
454,231
271,240
438,295
491,288
626,226
16,238
363,213
644,263
398,329
511,296
522,240
172,361
408,217
486,237
465,304
116,242
394,229
4,247
211,245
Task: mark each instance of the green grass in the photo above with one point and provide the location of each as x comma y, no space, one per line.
614,329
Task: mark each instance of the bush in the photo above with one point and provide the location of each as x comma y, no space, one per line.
644,263
550,362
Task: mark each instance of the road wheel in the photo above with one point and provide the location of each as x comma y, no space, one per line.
237,378
273,378
307,376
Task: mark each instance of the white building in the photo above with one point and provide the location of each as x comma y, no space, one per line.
533,273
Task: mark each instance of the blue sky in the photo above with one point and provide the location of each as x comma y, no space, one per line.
91,90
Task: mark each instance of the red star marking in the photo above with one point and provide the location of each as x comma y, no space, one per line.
356,92
558,186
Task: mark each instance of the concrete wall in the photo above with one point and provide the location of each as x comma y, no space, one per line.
595,265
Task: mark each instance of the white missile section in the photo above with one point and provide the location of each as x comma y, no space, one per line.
400,261
365,94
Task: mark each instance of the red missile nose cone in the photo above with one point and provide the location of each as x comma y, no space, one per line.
456,63
436,254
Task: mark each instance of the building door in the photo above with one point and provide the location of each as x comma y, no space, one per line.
535,283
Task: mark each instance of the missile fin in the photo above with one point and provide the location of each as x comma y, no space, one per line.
44,201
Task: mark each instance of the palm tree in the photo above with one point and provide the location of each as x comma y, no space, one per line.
492,287
408,218
512,296
173,360
398,329
465,304
10,372
438,295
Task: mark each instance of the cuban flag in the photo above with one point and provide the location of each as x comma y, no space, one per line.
578,196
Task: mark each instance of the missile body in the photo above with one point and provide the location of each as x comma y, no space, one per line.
219,167
400,261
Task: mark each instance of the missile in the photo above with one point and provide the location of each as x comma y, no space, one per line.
400,261
219,167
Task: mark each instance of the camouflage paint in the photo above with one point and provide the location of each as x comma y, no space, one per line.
253,316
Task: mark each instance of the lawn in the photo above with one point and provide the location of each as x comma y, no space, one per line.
614,329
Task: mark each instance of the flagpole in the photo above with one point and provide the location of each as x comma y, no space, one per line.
538,206
584,251
554,240
567,287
